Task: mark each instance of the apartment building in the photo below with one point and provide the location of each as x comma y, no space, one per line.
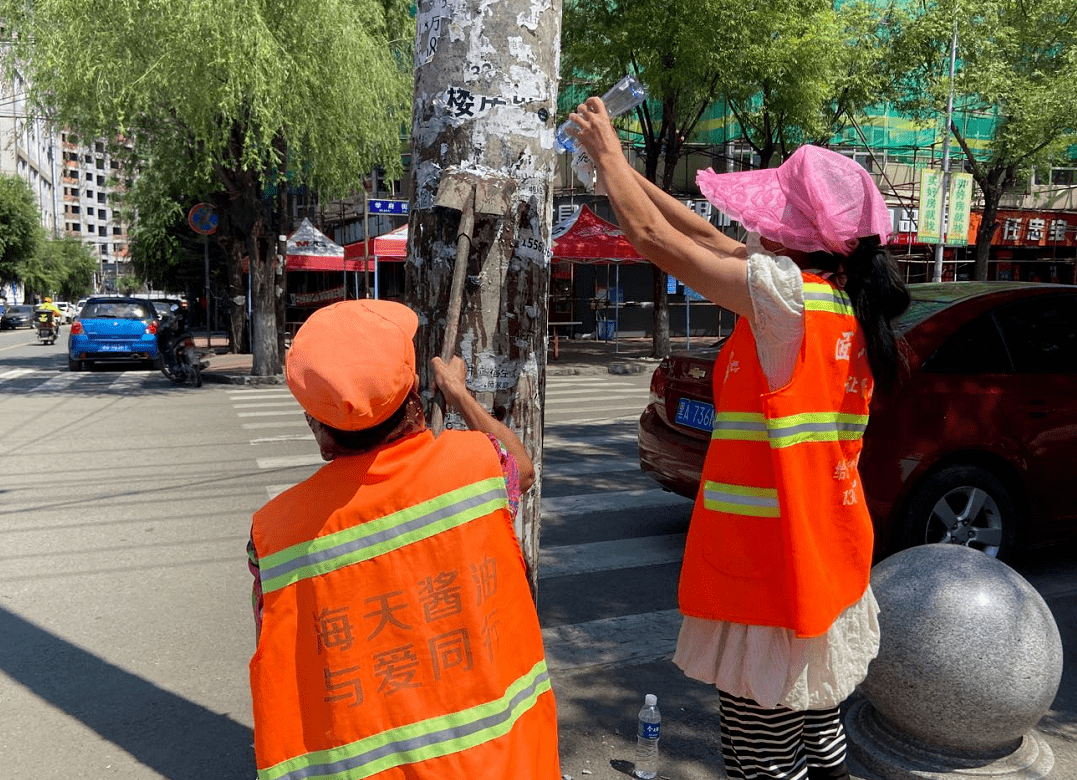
74,183
29,150
90,180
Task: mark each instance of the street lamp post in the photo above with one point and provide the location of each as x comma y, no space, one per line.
944,222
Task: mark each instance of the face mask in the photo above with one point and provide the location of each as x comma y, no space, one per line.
753,244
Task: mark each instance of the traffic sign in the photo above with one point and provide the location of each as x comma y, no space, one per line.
387,206
203,219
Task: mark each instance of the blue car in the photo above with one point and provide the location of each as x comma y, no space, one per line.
113,328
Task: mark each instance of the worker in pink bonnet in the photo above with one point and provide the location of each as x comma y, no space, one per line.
397,637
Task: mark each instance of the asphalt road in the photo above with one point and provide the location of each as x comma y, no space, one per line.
125,624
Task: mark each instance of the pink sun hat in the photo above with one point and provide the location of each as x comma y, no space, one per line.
817,200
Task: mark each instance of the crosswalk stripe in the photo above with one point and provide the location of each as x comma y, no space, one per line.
568,468
243,395
550,437
580,379
617,391
264,404
290,461
297,410
571,559
608,501
254,426
58,382
284,437
126,380
612,641
15,373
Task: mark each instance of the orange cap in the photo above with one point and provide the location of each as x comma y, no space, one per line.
352,364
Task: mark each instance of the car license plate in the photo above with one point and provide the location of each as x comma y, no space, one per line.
695,414
113,347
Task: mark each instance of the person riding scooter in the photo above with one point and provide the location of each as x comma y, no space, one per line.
47,317
176,348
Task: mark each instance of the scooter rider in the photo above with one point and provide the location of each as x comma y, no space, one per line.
171,330
57,315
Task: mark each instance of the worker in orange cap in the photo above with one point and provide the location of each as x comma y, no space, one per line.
397,637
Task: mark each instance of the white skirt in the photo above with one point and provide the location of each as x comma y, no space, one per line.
774,667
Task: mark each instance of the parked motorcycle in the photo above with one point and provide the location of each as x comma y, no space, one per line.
179,359
47,326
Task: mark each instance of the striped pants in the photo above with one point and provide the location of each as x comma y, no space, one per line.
781,744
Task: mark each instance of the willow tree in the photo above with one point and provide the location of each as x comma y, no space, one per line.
322,87
1016,64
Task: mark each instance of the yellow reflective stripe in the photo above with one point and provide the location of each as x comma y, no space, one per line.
739,426
431,738
740,499
385,534
815,427
823,297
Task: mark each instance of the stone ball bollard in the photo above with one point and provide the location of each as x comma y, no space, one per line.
970,661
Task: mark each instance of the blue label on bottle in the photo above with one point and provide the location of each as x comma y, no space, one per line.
648,730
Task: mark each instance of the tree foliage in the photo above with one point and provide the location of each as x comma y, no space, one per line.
69,266
20,227
229,93
1016,62
799,71
790,71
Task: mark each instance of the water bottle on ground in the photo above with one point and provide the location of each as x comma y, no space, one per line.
647,738
623,96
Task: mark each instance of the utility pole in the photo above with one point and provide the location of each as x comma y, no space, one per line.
482,168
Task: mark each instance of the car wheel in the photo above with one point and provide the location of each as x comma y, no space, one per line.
74,365
962,505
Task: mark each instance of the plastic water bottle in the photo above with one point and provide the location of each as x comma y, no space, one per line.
623,96
647,738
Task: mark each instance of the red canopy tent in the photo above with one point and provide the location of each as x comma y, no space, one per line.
586,237
309,249
391,246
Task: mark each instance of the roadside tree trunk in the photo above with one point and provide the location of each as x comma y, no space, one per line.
485,107
238,341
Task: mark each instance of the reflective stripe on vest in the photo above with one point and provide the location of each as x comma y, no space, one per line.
824,297
369,540
740,499
816,426
420,741
739,426
787,431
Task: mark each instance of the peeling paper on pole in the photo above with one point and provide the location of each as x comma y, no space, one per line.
491,372
435,19
427,176
530,18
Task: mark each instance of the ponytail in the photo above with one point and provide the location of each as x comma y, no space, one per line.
878,295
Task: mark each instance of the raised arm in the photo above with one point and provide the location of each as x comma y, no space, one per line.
660,228
451,378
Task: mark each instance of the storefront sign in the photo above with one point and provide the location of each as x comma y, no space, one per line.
959,206
1031,228
929,229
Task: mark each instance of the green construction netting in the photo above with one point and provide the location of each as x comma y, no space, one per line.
881,130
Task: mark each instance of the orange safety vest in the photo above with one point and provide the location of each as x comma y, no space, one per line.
399,638
780,534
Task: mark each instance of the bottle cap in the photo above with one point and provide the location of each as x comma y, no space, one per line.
650,700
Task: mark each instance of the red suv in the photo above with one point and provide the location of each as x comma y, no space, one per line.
977,444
